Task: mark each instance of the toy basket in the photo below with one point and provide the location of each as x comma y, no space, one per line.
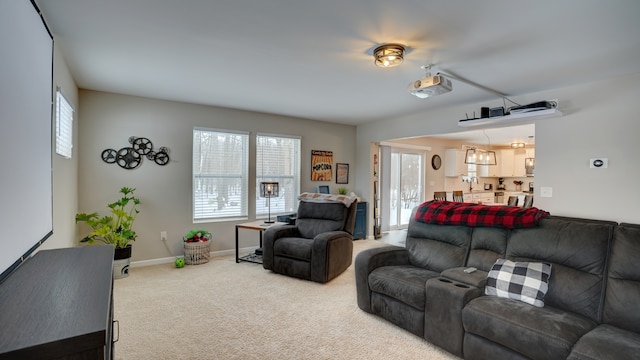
197,252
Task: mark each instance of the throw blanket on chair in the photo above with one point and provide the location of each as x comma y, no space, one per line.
323,198
475,215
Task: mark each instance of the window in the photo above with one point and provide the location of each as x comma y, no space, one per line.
64,126
220,174
278,160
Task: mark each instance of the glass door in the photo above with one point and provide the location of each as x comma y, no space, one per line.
406,184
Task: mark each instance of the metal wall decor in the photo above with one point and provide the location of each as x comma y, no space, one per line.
131,157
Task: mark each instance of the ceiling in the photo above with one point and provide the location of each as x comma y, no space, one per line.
312,59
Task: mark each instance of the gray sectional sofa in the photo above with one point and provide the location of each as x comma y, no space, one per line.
591,308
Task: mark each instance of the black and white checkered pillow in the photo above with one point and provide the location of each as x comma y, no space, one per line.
524,281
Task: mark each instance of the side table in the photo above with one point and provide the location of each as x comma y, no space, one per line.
260,226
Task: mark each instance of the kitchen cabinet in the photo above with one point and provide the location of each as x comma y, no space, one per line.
478,198
518,164
454,165
506,164
512,163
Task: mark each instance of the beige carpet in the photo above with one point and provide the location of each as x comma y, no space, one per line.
224,310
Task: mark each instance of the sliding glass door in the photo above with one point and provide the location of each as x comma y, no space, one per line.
406,186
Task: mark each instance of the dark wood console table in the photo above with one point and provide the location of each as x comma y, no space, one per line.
59,305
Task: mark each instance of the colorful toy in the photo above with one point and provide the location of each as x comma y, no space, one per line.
197,235
179,262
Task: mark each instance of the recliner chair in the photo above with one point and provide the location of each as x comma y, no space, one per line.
318,247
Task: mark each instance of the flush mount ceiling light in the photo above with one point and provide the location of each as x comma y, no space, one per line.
389,55
517,145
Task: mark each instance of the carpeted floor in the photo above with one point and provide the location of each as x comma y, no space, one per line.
224,310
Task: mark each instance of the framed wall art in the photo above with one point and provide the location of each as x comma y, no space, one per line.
321,165
342,173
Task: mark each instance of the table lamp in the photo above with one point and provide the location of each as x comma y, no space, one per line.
268,190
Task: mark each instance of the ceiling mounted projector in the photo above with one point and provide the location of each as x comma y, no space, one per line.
430,86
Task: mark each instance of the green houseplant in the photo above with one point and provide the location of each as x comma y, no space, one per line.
115,229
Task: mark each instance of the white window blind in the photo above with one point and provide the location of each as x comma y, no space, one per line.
278,160
220,174
64,126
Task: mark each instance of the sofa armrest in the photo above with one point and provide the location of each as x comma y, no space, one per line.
370,259
477,278
269,238
331,254
443,312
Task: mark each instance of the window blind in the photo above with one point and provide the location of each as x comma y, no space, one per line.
64,126
220,174
278,160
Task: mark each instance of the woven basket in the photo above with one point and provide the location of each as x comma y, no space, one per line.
197,252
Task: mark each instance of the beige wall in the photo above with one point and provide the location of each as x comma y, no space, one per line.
107,121
599,121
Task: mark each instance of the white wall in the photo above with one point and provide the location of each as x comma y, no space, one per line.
108,120
599,120
65,171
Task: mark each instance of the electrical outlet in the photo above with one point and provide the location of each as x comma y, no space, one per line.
163,235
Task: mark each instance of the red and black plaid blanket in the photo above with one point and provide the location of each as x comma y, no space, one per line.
475,215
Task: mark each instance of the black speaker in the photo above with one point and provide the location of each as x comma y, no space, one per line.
484,112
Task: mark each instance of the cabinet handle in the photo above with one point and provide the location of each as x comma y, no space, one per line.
117,326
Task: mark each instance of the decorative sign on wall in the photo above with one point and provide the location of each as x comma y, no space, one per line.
321,161
130,157
342,173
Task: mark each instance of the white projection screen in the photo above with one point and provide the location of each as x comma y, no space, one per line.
26,83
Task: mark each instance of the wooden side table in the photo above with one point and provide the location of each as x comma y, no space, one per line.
260,226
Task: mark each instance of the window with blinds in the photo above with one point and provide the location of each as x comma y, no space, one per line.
64,126
278,160
220,174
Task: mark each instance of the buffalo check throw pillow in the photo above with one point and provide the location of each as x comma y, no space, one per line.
524,281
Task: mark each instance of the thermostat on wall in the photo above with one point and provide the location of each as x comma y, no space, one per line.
598,163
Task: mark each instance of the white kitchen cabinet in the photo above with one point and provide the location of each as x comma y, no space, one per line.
478,198
483,198
454,165
518,164
506,163
512,163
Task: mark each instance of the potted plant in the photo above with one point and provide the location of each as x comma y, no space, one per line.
518,184
115,229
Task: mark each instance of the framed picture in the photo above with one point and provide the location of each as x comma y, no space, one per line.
342,173
322,189
321,161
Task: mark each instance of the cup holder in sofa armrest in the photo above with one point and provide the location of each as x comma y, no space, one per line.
448,281
477,278
445,299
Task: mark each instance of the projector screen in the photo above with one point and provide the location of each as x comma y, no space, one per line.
26,88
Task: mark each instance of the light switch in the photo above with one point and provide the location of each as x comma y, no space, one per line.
546,192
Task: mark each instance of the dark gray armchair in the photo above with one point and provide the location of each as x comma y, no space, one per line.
318,247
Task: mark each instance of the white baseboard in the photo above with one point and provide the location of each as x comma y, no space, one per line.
167,260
